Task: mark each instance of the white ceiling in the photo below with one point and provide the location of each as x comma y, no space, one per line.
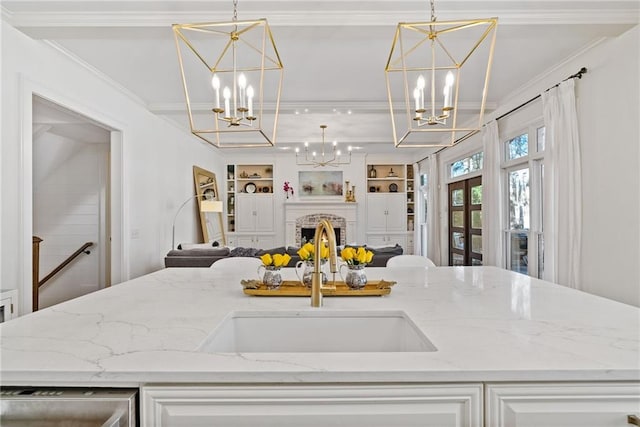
334,52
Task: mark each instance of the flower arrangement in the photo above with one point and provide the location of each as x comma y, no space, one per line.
277,260
353,256
307,252
288,189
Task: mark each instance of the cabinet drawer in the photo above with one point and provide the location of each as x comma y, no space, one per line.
443,405
561,404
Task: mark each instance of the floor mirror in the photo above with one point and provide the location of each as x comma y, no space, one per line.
209,206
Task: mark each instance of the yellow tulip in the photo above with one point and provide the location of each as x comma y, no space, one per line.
286,259
324,252
347,254
277,260
361,255
369,256
304,253
266,259
308,247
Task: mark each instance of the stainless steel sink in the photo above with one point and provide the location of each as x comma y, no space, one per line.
316,331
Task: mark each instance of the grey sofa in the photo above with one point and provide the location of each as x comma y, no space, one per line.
205,255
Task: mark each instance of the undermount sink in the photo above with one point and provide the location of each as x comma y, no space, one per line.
316,331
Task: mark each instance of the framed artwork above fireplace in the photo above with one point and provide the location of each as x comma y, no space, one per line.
320,183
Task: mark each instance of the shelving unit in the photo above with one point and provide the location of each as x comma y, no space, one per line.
250,208
391,205
411,206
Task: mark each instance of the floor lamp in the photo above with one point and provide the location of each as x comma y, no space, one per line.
205,206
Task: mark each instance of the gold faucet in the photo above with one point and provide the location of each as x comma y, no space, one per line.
316,277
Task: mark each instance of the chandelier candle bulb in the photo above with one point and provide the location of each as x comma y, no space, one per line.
421,93
226,94
242,84
250,102
215,83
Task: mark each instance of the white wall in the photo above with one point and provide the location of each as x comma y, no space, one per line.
157,158
608,104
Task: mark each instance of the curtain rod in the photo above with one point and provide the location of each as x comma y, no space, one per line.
577,75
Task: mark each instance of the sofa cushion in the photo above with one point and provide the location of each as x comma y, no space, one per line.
239,251
201,252
388,250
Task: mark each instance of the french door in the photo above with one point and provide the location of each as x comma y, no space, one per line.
465,222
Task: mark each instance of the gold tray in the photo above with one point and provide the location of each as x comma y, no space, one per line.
293,288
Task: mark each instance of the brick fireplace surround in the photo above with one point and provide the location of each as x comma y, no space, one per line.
302,214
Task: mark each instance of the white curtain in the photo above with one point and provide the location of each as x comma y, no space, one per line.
562,214
492,198
433,207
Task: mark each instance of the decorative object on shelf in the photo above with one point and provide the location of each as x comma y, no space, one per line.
356,260
436,121
234,56
272,265
323,159
372,189
265,189
250,187
350,195
244,175
288,189
372,172
392,174
393,187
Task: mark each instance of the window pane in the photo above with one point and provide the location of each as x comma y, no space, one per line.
519,199
457,197
540,139
476,243
476,219
476,195
457,219
475,261
457,240
518,147
469,164
519,253
458,259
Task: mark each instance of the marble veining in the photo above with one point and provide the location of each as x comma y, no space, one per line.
488,325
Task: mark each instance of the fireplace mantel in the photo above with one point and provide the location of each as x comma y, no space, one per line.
299,208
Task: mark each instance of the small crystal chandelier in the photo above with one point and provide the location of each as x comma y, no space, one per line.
228,69
314,159
424,70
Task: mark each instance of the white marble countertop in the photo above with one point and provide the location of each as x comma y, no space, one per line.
487,324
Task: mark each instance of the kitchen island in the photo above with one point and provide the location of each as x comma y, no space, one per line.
493,330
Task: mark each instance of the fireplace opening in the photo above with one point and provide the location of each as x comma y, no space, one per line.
307,234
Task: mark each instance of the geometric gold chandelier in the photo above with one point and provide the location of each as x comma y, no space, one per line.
232,80
430,103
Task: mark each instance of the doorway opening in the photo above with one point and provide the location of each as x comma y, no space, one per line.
71,210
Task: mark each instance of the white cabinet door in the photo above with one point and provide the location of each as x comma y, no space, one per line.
396,212
264,213
254,213
386,212
561,404
376,213
458,405
245,214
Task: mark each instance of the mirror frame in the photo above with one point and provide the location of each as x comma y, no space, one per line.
202,177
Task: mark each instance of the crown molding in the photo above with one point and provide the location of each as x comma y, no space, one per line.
72,19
